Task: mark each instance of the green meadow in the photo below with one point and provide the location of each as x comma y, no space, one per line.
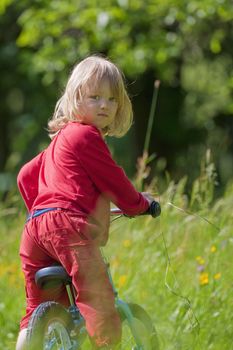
178,267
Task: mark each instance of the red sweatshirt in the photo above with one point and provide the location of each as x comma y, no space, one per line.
76,172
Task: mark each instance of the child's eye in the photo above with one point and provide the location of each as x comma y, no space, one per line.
112,99
95,97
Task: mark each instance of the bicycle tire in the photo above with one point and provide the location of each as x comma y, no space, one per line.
49,328
142,326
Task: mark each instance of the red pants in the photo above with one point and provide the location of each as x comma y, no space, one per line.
56,237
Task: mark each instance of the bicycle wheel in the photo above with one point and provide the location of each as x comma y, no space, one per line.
49,328
141,334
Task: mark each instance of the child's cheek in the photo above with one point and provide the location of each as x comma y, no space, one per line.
82,109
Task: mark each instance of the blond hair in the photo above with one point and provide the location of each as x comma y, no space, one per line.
92,70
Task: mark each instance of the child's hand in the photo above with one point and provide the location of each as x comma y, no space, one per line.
148,196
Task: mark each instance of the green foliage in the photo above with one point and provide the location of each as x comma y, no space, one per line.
167,31
210,89
187,45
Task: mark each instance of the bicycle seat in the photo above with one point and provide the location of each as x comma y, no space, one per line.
50,276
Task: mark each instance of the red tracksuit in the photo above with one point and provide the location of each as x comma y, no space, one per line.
77,175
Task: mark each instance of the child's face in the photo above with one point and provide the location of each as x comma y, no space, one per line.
98,106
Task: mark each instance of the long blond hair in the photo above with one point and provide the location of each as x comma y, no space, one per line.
92,70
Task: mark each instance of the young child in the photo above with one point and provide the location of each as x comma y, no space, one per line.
68,188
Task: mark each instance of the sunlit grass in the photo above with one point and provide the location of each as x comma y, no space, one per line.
178,267
12,301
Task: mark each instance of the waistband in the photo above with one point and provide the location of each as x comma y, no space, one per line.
39,212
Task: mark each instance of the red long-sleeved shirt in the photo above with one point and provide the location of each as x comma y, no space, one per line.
77,172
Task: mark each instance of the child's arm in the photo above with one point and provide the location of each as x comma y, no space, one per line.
109,178
27,180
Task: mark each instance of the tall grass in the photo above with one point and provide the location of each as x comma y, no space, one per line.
179,267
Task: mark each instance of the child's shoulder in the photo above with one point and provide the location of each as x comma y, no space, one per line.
81,133
82,129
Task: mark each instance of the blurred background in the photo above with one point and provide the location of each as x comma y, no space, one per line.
187,45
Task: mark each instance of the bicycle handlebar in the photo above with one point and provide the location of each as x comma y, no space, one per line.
154,210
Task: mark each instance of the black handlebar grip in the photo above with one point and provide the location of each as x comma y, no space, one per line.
154,209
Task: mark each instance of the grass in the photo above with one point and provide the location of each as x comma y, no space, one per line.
178,267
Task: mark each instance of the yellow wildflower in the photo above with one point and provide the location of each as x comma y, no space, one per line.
10,269
200,260
13,269
122,280
213,249
203,278
127,243
217,276
2,270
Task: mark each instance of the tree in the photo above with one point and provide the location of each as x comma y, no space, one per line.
185,44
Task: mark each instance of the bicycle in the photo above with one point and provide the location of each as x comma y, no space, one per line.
52,326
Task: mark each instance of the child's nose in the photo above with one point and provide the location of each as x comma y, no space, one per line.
103,103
